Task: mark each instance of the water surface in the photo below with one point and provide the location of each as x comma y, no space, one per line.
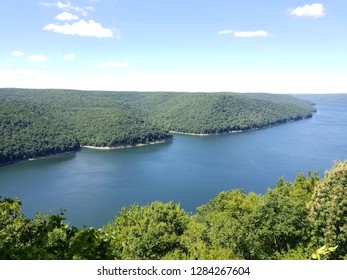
93,185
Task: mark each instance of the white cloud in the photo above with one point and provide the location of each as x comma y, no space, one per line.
70,56
65,16
224,32
17,53
69,7
113,64
36,58
47,4
249,34
245,34
315,10
82,28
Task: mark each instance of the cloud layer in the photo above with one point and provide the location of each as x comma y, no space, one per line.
244,34
69,7
81,28
36,58
315,10
17,53
65,16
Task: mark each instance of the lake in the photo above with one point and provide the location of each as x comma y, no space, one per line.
94,185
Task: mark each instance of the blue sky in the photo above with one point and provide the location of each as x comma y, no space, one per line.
287,46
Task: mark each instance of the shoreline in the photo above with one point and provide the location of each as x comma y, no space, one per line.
242,130
126,146
187,133
53,155
40,157
87,147
165,140
205,134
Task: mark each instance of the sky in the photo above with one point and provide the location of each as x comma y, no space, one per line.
284,46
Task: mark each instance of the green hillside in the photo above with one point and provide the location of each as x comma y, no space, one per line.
206,113
28,131
39,122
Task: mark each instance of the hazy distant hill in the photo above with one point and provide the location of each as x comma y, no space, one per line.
332,98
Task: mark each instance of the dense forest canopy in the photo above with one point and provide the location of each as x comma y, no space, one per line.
300,220
40,122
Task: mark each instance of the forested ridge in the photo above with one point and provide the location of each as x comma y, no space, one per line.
304,219
40,122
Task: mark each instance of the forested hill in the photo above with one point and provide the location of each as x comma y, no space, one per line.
40,122
207,113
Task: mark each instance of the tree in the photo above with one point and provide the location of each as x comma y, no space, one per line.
12,223
283,217
328,210
290,221
231,224
148,232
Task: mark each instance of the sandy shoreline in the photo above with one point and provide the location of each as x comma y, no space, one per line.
87,147
204,134
126,146
185,133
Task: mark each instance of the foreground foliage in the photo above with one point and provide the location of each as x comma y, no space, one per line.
300,220
35,123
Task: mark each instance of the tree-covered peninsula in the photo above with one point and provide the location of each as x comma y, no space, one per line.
41,122
304,219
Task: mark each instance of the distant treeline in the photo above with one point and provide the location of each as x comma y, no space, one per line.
37,122
301,220
324,98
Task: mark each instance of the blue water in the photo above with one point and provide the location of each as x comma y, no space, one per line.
93,185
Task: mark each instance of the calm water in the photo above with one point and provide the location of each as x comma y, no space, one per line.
94,185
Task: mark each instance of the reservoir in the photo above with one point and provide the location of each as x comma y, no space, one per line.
93,185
